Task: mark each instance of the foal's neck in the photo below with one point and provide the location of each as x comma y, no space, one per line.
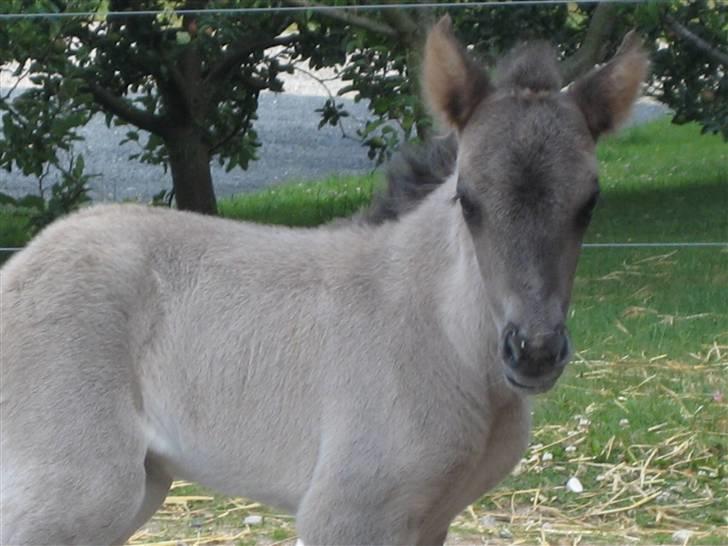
435,253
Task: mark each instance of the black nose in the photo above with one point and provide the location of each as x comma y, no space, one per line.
537,355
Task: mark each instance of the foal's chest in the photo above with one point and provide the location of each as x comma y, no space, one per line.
506,443
503,448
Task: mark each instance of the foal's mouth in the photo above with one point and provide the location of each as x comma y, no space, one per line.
537,385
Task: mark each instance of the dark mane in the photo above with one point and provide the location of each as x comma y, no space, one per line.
412,175
418,169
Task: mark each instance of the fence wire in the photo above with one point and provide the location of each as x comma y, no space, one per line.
304,6
11,249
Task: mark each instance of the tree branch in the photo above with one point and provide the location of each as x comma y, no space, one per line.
237,54
409,24
683,32
180,84
239,126
254,83
592,48
347,17
124,109
403,24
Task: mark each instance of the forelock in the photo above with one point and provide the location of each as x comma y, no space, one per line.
529,67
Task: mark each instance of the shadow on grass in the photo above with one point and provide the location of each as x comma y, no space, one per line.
662,214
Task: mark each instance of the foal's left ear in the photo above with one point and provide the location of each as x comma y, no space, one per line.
606,95
453,83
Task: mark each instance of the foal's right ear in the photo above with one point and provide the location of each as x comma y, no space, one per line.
606,95
453,83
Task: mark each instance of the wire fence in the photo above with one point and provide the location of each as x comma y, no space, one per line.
657,245
306,6
724,245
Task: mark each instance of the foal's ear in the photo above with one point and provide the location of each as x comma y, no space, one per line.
453,84
606,95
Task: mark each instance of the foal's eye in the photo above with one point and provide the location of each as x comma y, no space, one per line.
586,211
471,210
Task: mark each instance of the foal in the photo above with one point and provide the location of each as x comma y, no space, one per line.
371,380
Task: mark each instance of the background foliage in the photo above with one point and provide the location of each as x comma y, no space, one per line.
187,87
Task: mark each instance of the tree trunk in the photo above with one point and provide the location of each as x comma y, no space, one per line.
189,159
592,49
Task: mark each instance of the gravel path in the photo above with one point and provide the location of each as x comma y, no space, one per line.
293,148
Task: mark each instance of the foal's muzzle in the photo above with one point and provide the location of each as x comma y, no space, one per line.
534,363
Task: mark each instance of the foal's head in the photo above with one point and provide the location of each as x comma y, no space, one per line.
527,182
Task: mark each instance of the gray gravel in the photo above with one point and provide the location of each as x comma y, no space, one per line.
293,148
647,110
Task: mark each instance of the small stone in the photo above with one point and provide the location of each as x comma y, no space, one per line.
519,467
487,521
570,449
505,533
665,498
624,423
574,485
253,520
547,456
682,535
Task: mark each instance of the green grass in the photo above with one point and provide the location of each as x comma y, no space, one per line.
661,183
302,204
14,227
640,416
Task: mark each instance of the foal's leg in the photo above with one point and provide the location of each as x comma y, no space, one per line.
73,444
72,456
156,488
350,502
58,497
332,516
348,520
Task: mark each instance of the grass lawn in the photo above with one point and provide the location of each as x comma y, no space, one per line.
303,204
640,418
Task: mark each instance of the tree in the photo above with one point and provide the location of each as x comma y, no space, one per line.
191,83
690,66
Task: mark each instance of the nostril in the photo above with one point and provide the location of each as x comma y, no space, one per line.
565,351
513,346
